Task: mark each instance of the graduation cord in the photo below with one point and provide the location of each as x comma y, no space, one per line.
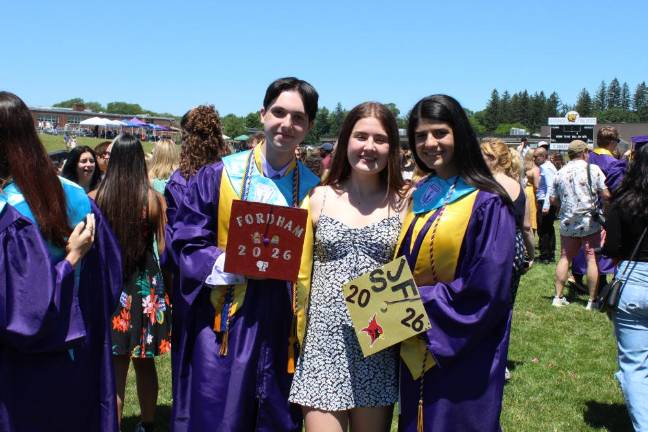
435,226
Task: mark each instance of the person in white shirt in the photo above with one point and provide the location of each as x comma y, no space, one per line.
577,193
546,217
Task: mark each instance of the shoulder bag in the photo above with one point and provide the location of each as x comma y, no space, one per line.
608,298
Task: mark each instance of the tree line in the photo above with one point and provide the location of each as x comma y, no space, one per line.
610,103
111,107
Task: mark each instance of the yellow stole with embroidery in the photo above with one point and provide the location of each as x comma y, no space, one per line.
450,230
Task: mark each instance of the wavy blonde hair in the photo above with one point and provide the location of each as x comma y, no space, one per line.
498,149
164,161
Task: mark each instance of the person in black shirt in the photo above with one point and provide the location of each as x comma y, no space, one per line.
626,224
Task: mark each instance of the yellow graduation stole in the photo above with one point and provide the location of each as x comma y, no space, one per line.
233,295
602,151
445,249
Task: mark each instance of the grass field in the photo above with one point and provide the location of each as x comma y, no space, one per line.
562,362
55,142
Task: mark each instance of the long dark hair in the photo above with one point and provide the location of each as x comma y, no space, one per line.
632,194
123,199
70,168
202,139
467,153
391,177
23,157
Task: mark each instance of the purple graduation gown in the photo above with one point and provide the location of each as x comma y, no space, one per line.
55,350
247,390
174,194
470,320
614,170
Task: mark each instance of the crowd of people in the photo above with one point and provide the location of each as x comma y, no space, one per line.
122,259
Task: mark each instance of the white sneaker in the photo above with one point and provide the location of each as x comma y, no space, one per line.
559,302
591,305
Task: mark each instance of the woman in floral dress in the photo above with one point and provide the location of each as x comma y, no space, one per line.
141,325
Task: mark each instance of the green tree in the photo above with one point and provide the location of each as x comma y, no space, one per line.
233,125
492,114
68,103
336,118
94,106
252,120
617,115
477,122
504,129
393,108
614,94
553,107
600,99
625,96
584,103
505,107
640,99
524,116
124,108
537,111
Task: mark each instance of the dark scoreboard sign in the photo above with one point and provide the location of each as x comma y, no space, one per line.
564,134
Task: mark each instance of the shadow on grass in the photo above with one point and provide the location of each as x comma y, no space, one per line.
162,419
611,416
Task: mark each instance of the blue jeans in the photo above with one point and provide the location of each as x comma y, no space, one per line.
631,328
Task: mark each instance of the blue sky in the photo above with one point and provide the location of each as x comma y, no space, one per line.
170,56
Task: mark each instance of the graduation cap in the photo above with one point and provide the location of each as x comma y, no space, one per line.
639,141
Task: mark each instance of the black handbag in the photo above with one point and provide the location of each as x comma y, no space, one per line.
608,298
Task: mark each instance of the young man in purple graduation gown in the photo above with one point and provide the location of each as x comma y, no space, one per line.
238,348
614,169
458,238
57,291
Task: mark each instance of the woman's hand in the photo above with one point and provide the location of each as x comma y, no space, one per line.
80,240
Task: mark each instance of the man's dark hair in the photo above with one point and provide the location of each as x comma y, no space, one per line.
307,92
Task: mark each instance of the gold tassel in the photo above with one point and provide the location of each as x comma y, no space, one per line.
291,355
217,323
223,348
419,422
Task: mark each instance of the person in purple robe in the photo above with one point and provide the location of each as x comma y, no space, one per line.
239,336
607,139
58,288
459,239
202,143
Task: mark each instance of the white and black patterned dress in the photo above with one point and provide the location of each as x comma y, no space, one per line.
332,373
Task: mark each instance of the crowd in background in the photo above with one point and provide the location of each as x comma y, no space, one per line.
127,252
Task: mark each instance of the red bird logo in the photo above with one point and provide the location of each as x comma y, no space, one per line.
374,330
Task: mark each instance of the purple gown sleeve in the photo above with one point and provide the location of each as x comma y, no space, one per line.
195,229
615,173
479,299
173,194
38,309
103,264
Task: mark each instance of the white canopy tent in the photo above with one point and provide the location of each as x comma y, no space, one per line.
95,121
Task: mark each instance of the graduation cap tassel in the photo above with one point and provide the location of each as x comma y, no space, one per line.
291,355
222,323
223,348
419,421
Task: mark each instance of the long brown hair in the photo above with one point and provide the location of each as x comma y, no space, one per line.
123,199
391,177
202,139
23,157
